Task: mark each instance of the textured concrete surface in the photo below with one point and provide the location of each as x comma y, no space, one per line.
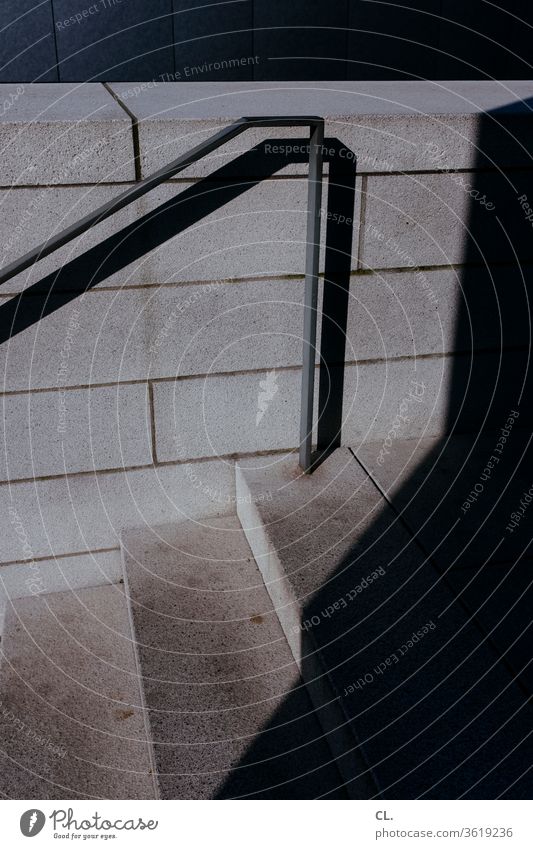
390,126
229,714
161,332
353,41
442,474
80,430
61,133
292,53
208,27
467,501
146,326
18,580
88,512
71,721
437,714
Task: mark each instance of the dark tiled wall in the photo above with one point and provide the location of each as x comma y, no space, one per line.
76,40
387,42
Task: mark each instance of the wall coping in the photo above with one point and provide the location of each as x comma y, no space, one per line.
229,100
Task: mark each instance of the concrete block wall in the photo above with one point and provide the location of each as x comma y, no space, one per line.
129,404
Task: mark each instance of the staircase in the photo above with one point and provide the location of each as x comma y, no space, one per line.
322,643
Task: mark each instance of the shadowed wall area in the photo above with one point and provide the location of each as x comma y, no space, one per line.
452,718
185,41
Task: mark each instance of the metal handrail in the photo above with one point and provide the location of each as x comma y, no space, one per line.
316,127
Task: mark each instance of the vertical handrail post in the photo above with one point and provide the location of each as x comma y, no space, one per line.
312,256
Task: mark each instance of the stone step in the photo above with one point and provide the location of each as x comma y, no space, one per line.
71,720
229,714
396,667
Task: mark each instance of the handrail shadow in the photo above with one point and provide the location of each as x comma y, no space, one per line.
452,718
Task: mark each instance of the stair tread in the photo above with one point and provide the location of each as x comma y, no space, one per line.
441,718
71,721
229,714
